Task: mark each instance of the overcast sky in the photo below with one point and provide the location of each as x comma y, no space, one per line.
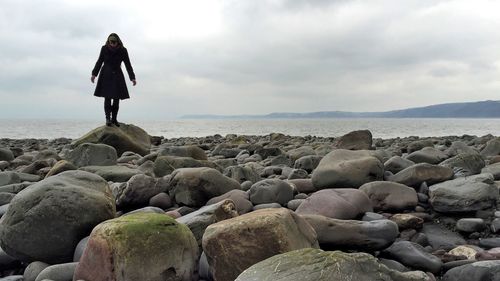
249,56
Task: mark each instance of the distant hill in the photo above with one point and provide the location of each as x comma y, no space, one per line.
480,109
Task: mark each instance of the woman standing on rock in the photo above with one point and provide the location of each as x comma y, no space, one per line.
111,82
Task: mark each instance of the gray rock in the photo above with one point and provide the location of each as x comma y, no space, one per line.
240,198
6,197
15,278
224,163
80,248
356,140
61,210
318,265
195,186
492,148
464,194
47,154
266,152
477,271
495,225
33,269
165,165
297,153
242,173
347,169
15,187
58,272
6,154
138,190
429,155
161,200
440,237
341,203
303,185
294,204
267,206
396,164
7,178
7,262
470,225
308,163
489,243
112,173
415,175
493,169
419,144
413,255
459,147
464,165
370,216
390,195
192,151
271,191
352,234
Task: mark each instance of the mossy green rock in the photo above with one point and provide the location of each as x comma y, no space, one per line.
314,264
127,137
139,246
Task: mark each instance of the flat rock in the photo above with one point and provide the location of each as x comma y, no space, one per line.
429,155
112,173
440,237
92,154
417,174
390,195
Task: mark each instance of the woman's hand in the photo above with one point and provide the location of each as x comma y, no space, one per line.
92,78
134,82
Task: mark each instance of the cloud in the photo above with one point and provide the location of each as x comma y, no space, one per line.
250,57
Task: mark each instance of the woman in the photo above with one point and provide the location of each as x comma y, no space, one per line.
111,83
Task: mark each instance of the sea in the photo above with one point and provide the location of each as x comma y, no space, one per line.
331,127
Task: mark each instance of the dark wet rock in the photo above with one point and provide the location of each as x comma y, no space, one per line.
266,152
464,165
341,203
489,243
470,225
477,271
127,137
440,237
352,234
413,255
415,175
464,194
226,243
62,210
315,264
347,169
390,195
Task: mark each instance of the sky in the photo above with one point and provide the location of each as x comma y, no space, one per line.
231,57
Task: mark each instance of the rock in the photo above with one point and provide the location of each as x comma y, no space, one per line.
59,167
387,196
459,147
15,278
356,140
415,175
7,262
33,269
15,187
127,137
138,190
308,163
465,250
195,186
191,151
61,210
6,197
407,221
464,194
489,243
440,237
271,191
63,271
297,153
231,248
419,144
470,225
302,185
165,165
341,203
80,248
242,173
199,220
492,148
240,198
427,155
351,234
161,200
112,173
6,154
318,265
224,163
414,256
267,206
294,204
347,169
90,154
464,165
139,246
265,152
396,164
493,169
478,271
7,178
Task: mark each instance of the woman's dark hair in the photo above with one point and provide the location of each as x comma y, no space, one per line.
120,44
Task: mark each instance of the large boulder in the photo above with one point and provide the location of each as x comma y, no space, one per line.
356,140
127,137
347,169
353,234
192,151
464,194
233,245
271,191
318,265
341,203
415,175
195,186
387,196
138,190
465,164
458,147
46,220
139,246
92,154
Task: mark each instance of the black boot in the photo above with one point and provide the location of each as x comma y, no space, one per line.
107,111
113,118
108,122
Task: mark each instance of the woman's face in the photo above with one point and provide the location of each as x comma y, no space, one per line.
113,42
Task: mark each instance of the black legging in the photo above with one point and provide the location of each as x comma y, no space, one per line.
111,109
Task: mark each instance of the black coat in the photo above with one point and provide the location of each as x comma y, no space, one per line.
111,82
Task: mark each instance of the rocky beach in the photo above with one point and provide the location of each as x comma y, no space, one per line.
119,204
